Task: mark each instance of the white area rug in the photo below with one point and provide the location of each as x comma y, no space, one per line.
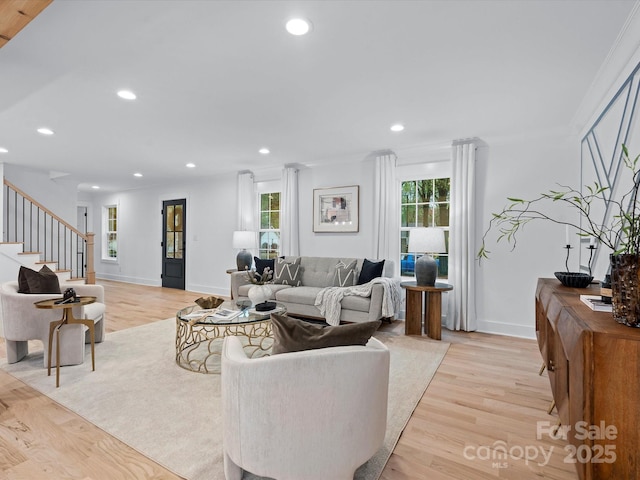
139,395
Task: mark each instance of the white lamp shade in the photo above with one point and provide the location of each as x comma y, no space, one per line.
427,240
244,239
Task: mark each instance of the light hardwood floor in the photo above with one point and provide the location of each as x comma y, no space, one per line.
486,394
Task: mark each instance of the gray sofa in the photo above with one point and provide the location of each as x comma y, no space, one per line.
318,273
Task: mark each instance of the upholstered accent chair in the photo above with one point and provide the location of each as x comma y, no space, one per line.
312,415
22,322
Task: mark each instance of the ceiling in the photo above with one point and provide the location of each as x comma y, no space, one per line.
217,80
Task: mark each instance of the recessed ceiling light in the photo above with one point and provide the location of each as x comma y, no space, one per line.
127,94
190,165
298,26
45,131
264,151
398,127
3,150
95,187
137,174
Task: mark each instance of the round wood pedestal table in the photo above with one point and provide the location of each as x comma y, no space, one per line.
432,308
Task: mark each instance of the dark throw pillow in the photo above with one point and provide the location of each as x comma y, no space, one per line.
288,272
292,335
370,270
44,281
262,263
345,275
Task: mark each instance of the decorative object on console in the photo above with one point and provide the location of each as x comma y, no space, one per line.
574,279
426,240
605,289
209,302
243,240
336,209
594,302
625,289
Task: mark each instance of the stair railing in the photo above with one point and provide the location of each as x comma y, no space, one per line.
40,230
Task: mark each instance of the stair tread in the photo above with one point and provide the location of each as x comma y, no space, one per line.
29,253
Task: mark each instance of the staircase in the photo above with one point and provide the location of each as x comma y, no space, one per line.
34,236
13,256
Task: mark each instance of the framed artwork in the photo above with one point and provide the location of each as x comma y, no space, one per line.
336,209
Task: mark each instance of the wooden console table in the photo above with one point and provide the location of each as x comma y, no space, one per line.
593,364
432,308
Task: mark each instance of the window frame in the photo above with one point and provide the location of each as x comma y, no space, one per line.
107,232
268,189
417,172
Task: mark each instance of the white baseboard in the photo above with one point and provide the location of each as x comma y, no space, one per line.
123,278
209,290
204,289
507,329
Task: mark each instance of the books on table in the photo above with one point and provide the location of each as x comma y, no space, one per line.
219,313
594,302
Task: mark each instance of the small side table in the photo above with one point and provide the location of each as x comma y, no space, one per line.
432,308
69,319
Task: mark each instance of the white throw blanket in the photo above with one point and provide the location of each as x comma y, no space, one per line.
329,299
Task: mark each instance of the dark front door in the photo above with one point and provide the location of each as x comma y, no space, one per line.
173,242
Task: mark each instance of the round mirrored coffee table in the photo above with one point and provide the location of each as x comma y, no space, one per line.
199,334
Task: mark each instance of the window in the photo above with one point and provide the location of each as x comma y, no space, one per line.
424,203
110,229
269,225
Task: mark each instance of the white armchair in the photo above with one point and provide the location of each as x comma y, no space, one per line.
22,322
315,414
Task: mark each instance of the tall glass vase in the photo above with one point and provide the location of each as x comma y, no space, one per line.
625,286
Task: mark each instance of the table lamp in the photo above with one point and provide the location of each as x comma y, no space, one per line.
242,240
426,240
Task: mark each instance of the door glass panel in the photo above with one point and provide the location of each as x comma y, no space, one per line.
178,218
170,215
178,245
170,242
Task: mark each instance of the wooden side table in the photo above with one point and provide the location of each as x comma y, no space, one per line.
69,319
432,308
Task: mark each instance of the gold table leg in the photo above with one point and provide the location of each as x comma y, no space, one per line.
68,319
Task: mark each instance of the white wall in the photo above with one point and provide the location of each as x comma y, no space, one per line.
58,194
359,244
210,221
506,283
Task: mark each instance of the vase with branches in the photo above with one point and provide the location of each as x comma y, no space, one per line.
621,233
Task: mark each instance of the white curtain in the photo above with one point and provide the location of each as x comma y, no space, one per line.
386,205
462,301
289,227
246,202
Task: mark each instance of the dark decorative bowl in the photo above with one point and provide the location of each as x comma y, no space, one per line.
574,279
209,302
